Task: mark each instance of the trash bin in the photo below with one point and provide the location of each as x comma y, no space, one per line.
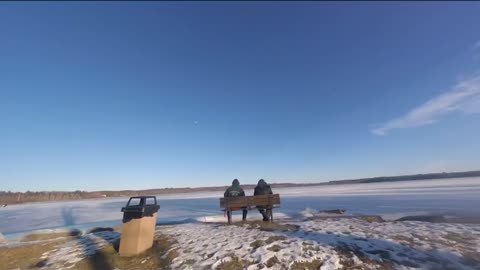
138,229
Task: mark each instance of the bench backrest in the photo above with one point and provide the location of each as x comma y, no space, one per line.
250,201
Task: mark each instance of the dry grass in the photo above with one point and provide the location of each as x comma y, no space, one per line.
25,256
275,238
190,262
266,226
309,247
453,236
257,243
346,259
48,236
234,264
300,265
275,248
272,261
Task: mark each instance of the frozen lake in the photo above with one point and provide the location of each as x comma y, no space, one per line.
456,197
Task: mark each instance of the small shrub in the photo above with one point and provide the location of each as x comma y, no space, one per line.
272,239
257,243
234,264
274,248
272,261
300,265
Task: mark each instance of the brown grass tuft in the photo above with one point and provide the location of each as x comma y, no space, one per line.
303,265
234,264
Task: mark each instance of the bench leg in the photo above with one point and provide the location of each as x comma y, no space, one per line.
229,217
271,214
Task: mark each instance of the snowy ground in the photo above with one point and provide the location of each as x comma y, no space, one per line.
333,242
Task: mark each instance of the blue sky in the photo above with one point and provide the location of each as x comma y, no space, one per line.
127,95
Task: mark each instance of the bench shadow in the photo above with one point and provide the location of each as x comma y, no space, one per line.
176,222
380,250
68,217
95,255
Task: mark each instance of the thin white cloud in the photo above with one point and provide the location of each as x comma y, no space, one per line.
465,97
477,45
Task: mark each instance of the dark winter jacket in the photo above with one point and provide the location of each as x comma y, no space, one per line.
234,190
262,188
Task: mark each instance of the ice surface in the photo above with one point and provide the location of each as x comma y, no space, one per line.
390,199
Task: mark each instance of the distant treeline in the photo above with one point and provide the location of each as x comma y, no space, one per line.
409,177
7,197
29,196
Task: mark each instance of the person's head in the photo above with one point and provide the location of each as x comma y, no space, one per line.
262,182
235,182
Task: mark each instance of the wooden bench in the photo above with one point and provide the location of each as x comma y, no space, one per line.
230,204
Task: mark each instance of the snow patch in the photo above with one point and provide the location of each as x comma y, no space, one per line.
310,213
252,216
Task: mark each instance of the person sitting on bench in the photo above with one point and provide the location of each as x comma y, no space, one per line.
236,191
263,188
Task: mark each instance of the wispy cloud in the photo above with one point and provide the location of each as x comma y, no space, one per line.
477,45
464,96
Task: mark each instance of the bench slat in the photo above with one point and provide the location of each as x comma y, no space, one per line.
250,201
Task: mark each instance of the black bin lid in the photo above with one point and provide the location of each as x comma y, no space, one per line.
140,203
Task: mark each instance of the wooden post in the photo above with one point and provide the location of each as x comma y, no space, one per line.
229,216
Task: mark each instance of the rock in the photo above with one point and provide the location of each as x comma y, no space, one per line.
371,219
334,211
101,229
433,219
75,232
42,263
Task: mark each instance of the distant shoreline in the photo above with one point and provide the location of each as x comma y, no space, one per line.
44,196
